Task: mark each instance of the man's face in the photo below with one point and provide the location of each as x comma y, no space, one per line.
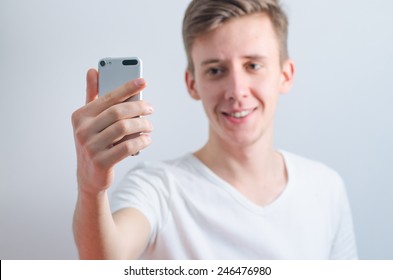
238,77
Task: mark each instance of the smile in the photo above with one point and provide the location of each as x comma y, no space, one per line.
240,114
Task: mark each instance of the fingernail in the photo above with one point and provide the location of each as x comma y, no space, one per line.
150,110
148,137
140,82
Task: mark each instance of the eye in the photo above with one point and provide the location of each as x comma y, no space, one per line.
214,72
254,66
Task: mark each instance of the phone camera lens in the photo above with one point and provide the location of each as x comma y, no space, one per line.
102,63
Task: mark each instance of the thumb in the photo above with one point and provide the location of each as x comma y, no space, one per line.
91,85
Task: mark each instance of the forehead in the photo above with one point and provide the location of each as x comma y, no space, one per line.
244,36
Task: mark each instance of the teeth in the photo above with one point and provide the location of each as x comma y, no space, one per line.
241,114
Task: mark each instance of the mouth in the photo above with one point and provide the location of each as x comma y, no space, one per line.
239,114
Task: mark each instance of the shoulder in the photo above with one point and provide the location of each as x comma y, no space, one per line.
309,168
148,185
314,176
163,170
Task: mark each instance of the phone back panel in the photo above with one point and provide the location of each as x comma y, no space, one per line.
114,72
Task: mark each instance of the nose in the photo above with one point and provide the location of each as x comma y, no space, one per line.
236,86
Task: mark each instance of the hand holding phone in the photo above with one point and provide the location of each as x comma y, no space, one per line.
102,125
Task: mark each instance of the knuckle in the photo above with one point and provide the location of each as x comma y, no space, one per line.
115,113
140,125
81,135
133,105
129,148
132,147
75,118
122,127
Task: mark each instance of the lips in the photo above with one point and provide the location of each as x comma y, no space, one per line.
239,114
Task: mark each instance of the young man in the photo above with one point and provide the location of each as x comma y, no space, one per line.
235,198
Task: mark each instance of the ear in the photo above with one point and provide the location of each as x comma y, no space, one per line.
190,82
287,75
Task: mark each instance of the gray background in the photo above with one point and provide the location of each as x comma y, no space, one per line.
338,111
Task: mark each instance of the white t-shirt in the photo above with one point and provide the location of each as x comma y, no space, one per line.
194,214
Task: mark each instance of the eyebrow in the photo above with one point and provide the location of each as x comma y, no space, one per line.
256,57
210,61
253,57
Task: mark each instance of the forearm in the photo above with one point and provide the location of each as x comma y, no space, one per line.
95,231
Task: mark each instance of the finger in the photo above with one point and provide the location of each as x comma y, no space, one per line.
125,110
119,130
116,96
108,158
91,85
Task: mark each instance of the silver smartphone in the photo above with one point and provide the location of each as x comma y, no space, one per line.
114,72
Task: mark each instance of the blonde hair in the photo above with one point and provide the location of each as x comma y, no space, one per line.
205,15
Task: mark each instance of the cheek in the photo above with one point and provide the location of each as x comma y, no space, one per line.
268,87
209,93
267,95
262,90
209,103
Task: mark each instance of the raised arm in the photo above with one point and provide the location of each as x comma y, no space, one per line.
99,129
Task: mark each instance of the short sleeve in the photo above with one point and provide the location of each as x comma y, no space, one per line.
143,188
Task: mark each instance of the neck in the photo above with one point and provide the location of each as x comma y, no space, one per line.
256,169
225,155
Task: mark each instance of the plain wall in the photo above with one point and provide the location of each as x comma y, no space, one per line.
338,111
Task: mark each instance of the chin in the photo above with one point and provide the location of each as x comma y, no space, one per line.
243,141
